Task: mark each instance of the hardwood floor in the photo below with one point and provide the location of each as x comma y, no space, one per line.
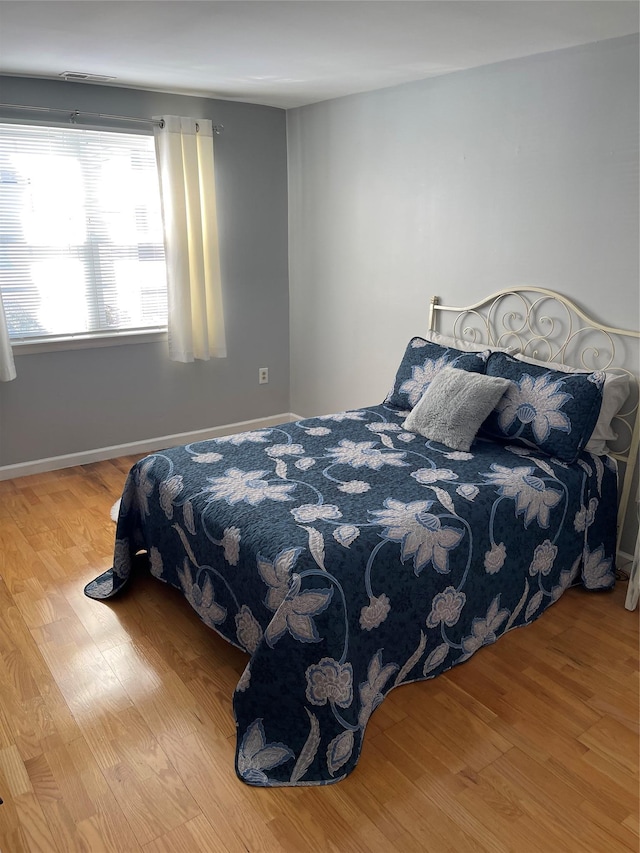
117,733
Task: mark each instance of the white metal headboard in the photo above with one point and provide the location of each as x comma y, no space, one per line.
552,328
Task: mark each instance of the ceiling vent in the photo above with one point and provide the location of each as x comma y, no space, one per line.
83,77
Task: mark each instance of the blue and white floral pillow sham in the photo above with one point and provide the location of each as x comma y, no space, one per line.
546,409
422,361
615,392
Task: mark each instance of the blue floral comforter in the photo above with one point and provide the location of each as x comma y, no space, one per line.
347,557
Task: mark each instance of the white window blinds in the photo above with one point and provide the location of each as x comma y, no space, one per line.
81,241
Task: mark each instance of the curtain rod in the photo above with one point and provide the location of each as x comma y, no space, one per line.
74,115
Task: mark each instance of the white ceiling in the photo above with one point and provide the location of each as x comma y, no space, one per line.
287,54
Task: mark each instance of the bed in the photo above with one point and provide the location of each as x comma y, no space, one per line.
349,554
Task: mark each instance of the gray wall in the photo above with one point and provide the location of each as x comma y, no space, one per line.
70,401
524,172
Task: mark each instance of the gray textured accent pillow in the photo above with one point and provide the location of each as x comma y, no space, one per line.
454,406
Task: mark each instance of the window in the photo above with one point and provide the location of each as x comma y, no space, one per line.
81,241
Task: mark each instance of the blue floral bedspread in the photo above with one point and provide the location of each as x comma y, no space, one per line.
347,557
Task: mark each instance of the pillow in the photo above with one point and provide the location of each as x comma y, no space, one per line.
546,409
467,346
422,360
454,406
614,396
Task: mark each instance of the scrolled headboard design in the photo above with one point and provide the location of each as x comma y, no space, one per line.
550,327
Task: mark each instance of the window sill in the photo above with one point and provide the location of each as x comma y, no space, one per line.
88,342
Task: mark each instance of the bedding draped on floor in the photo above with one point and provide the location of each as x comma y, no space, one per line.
347,556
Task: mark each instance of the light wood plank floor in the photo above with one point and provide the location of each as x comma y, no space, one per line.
117,734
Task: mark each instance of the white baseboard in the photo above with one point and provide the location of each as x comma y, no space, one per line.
85,457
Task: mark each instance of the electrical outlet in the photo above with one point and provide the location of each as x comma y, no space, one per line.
263,375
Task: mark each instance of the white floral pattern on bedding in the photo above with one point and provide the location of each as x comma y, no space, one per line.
347,557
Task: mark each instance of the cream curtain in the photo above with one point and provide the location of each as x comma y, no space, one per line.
188,192
7,367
